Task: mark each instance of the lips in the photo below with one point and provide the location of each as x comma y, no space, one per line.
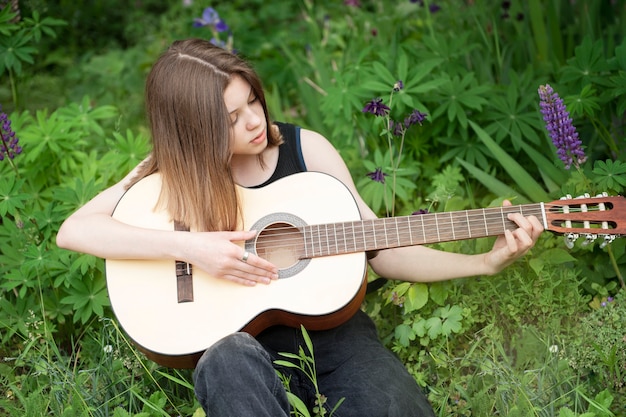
259,138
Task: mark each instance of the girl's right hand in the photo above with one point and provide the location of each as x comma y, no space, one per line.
218,254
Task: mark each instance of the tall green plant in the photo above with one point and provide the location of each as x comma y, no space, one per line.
18,40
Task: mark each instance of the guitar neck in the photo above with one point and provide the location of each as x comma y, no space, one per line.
392,232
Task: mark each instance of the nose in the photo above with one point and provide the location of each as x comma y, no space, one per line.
253,118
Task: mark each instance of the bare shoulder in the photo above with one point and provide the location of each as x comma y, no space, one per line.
319,154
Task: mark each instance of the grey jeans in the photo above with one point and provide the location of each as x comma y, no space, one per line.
237,375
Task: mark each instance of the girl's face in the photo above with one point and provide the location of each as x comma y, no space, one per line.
249,130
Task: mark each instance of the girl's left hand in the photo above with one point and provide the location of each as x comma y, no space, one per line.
513,244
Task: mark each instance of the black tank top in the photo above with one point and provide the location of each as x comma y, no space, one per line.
290,159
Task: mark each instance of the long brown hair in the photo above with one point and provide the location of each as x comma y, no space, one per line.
191,132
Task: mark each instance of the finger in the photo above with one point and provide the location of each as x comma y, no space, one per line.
524,240
537,227
263,267
240,235
511,242
256,268
240,280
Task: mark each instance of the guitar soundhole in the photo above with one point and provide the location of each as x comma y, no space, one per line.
281,244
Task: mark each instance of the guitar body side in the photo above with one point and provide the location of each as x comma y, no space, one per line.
324,293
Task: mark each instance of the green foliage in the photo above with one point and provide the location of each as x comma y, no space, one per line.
480,346
598,351
18,40
304,361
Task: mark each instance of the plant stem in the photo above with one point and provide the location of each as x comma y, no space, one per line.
616,268
13,87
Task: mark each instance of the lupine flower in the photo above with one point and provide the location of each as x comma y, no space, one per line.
560,127
399,85
415,117
420,211
378,175
396,128
211,18
376,107
9,143
353,3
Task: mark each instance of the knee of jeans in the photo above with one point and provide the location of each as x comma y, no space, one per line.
230,352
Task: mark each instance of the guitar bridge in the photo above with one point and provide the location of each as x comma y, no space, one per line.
184,282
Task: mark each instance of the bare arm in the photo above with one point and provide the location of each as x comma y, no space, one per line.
420,263
91,229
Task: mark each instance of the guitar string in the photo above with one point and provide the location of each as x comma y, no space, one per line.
289,236
443,217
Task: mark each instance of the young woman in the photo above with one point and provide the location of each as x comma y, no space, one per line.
211,132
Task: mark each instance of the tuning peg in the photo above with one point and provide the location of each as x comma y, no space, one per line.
607,239
570,238
589,238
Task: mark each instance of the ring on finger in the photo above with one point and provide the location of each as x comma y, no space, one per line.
245,256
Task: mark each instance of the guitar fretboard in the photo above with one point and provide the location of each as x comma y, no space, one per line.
392,232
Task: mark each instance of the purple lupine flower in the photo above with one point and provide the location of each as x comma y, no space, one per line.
420,211
415,117
560,127
396,128
378,175
353,3
210,17
399,85
9,143
376,107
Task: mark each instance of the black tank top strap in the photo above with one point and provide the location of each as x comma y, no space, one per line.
290,159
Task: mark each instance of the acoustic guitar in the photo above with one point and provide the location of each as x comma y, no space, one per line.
307,224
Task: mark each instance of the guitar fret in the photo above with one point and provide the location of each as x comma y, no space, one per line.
397,231
364,237
319,239
327,239
502,216
485,221
469,229
385,231
437,226
408,220
452,226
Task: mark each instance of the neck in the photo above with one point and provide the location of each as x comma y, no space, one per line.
393,232
254,169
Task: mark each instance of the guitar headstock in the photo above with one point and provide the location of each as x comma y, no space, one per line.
589,217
